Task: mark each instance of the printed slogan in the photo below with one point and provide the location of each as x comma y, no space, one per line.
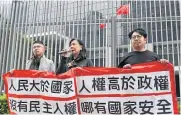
147,88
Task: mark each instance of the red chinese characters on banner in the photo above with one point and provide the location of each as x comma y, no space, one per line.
147,88
123,9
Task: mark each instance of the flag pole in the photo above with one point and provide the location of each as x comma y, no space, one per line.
129,15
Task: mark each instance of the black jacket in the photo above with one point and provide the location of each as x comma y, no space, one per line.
137,57
69,62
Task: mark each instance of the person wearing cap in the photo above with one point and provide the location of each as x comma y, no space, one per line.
39,61
139,54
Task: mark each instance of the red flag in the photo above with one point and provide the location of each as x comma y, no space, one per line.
102,26
123,9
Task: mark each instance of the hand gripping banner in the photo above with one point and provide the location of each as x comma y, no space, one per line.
147,88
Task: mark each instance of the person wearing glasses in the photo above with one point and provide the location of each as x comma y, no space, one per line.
139,54
39,61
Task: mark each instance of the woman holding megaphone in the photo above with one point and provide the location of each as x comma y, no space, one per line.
77,58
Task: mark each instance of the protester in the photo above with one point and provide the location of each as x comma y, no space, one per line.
139,54
39,61
77,58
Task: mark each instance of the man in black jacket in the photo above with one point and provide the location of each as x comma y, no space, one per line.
139,54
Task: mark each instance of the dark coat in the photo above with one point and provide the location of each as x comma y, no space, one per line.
137,57
69,62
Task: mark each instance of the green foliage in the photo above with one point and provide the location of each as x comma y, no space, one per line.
3,104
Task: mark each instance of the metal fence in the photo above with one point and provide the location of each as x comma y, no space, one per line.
95,22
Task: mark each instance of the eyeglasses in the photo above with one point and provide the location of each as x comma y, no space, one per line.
136,36
37,46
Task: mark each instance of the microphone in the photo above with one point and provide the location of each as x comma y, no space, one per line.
65,51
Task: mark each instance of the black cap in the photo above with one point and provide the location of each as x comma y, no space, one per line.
138,30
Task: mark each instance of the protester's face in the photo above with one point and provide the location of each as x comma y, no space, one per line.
38,49
138,41
75,47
